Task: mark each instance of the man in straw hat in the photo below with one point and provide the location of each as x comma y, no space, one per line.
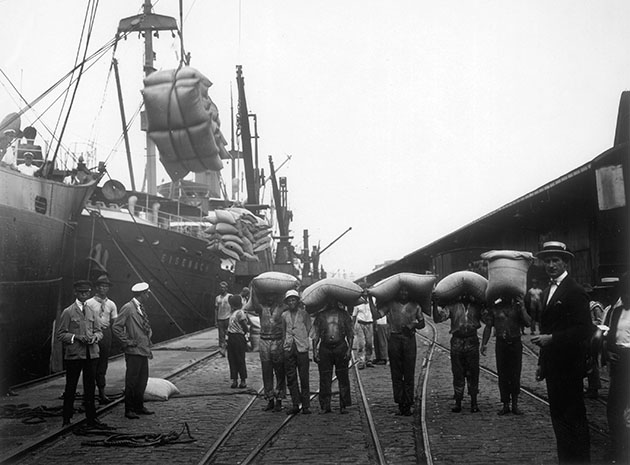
565,328
106,311
133,330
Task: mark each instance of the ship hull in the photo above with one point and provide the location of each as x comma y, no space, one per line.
183,276
37,223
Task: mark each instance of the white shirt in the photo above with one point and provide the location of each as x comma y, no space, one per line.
9,157
363,313
104,309
622,337
138,305
26,169
555,284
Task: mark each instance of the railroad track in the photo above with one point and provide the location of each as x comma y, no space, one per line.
29,447
264,430
531,392
235,414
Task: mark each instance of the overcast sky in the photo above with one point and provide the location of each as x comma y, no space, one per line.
405,120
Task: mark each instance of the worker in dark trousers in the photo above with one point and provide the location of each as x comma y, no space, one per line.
403,317
507,315
465,316
333,336
296,324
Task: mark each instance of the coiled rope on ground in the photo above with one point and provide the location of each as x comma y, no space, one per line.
144,439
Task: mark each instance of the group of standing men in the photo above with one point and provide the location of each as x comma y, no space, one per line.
566,330
86,329
287,332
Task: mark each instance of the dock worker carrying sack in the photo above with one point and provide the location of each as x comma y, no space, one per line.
270,282
419,286
453,286
507,273
317,295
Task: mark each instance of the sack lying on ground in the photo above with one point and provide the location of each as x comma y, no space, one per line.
159,389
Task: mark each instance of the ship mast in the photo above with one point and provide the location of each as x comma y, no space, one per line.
243,117
148,24
283,250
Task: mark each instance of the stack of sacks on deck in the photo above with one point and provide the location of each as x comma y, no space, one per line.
507,273
419,287
317,295
460,283
237,233
270,282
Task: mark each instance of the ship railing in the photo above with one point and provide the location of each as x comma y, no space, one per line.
184,225
193,227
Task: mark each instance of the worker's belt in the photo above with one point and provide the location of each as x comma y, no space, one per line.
364,322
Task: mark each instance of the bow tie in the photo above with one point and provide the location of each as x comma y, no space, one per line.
554,281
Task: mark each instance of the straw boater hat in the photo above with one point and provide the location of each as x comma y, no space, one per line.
559,249
607,283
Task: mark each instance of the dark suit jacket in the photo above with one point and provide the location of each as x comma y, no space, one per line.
568,319
130,331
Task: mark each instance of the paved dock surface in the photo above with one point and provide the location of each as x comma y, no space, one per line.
208,405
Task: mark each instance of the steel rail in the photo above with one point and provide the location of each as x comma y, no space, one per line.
31,446
526,391
273,432
425,382
370,419
207,457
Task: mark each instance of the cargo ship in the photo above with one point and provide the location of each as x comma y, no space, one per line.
183,237
38,216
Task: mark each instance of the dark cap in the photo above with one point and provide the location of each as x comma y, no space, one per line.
103,279
235,301
82,285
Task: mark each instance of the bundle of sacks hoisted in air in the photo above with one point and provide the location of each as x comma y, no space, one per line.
507,273
460,283
237,233
419,287
273,283
318,294
183,121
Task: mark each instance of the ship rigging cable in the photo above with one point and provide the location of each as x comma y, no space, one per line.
115,241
